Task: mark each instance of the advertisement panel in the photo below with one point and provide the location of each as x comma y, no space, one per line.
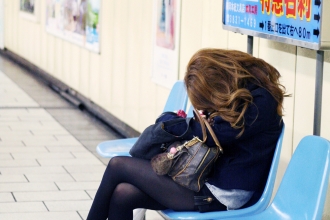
166,28
76,21
28,9
2,18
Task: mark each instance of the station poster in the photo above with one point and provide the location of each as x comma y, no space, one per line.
166,35
27,6
76,21
28,9
296,22
2,16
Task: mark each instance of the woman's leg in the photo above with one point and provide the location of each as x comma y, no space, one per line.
144,184
127,197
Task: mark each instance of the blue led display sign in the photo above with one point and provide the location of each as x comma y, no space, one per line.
297,22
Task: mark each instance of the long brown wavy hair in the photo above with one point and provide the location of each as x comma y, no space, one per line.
216,81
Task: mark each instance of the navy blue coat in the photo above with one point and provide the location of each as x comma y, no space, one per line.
246,160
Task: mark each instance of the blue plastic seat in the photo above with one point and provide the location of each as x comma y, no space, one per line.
190,111
302,192
256,208
176,100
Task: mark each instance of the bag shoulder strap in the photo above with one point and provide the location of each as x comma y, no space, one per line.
204,122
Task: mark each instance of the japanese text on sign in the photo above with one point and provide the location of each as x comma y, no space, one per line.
302,8
294,19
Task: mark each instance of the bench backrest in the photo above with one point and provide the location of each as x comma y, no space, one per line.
302,192
303,188
178,98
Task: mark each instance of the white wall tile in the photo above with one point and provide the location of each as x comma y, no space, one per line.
12,178
52,177
50,196
41,216
6,197
33,170
28,187
22,207
18,163
55,206
67,186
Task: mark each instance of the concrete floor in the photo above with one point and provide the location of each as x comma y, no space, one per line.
49,168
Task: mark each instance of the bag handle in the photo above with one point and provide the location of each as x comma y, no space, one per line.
204,122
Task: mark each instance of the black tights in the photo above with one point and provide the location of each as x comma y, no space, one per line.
129,183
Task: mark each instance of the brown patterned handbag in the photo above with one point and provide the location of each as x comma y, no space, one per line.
189,162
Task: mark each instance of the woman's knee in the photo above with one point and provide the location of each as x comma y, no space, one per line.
126,194
116,163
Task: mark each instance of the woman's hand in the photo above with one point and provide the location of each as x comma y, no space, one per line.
205,115
201,113
181,113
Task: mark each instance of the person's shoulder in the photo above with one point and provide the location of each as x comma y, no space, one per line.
258,91
263,102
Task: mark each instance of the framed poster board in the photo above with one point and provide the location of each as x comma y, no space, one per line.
303,23
166,35
29,9
76,21
2,17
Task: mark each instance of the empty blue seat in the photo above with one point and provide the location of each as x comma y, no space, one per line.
176,100
302,191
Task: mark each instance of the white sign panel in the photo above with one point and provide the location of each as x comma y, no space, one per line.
166,28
